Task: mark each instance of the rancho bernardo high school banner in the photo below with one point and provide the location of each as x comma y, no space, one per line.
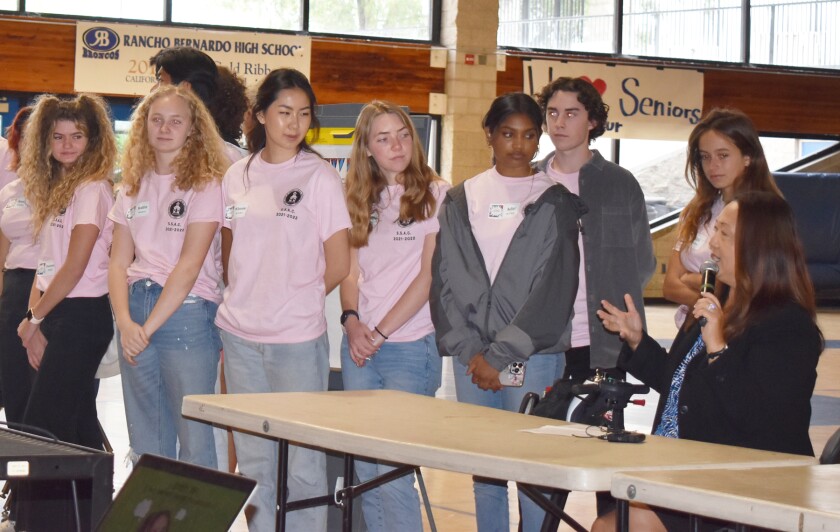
645,102
114,58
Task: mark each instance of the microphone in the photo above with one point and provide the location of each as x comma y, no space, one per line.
708,270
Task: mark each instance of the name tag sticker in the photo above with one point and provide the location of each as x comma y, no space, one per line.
240,210
46,267
502,211
16,203
142,209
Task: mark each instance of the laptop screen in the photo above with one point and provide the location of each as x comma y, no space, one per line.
166,495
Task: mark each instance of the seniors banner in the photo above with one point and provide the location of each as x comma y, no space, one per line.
645,102
114,58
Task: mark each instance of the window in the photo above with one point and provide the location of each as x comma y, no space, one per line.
391,19
685,29
128,9
577,25
267,14
795,33
802,33
396,19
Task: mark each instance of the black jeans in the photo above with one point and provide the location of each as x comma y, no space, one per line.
63,401
63,398
16,375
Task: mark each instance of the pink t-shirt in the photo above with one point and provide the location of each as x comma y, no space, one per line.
16,224
89,205
280,216
158,217
391,261
496,204
580,321
6,174
693,256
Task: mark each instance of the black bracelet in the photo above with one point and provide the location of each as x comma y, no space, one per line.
713,356
380,333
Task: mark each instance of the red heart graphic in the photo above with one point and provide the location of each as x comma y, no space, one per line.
599,84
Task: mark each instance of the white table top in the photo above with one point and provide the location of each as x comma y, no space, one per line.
783,498
441,434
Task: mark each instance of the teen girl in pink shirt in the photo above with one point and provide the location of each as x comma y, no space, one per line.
165,272
286,246
68,159
725,159
389,342
19,258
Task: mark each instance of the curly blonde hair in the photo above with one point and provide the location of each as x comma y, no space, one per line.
48,186
201,159
365,180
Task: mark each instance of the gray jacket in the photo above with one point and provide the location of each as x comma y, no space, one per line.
617,247
529,305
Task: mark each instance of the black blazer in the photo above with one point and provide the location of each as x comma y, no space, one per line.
757,394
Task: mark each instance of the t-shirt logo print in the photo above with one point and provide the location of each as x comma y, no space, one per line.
405,223
177,209
293,197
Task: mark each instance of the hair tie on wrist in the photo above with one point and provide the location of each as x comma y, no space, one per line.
380,333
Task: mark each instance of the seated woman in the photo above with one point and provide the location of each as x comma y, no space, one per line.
746,377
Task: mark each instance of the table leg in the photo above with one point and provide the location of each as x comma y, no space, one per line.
693,523
282,484
549,506
622,515
551,521
347,503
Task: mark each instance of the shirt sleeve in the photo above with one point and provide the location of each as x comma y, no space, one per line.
432,225
92,202
207,205
332,215
117,214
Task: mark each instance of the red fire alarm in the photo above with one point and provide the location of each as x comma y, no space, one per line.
469,59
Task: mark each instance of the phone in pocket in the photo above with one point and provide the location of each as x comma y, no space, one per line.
513,374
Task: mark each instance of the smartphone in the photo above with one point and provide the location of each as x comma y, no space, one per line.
513,374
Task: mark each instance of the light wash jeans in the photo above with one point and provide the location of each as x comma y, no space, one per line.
491,498
181,359
413,367
252,367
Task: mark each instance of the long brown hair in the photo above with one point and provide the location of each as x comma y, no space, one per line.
739,129
202,158
365,180
770,268
44,186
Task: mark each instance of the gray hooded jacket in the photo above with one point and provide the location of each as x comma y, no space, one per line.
528,307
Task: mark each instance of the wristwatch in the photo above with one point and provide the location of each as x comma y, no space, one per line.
32,319
346,314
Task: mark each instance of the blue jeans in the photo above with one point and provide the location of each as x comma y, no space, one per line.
181,359
491,500
413,367
252,367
